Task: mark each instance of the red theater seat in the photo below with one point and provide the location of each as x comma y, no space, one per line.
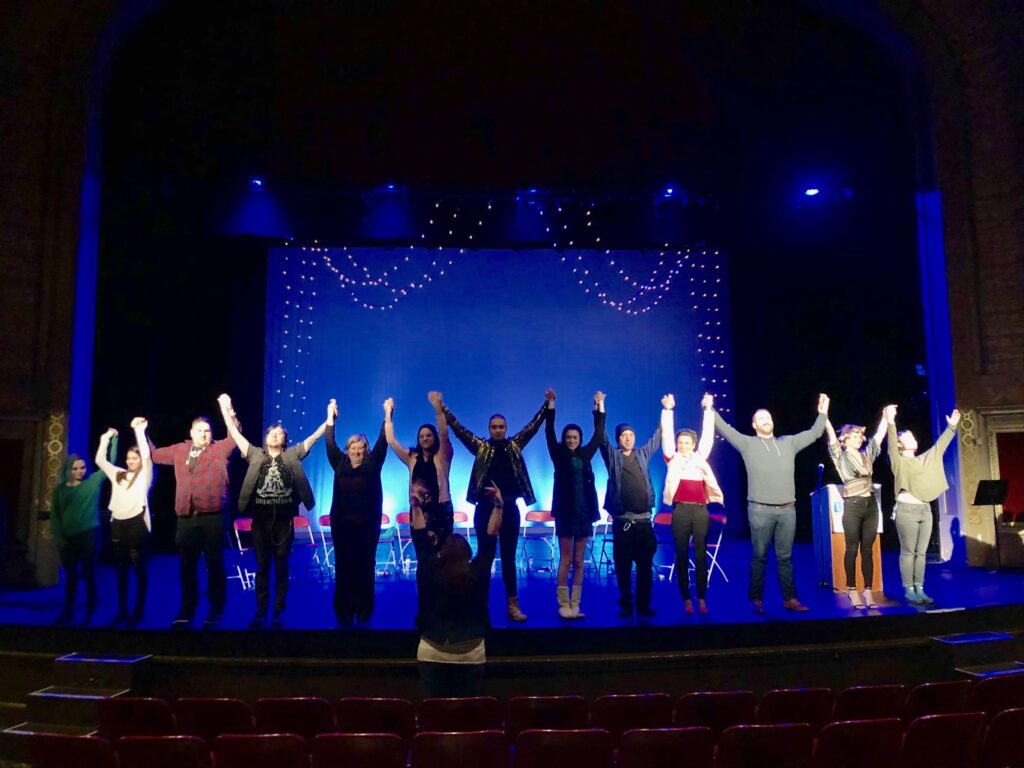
618,713
589,747
474,713
859,744
358,750
260,750
459,750
305,716
56,751
870,702
943,698
716,710
1004,740
796,705
376,715
765,746
667,748
212,717
545,712
134,716
936,741
994,694
163,752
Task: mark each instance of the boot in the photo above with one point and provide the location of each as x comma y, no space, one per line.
574,602
513,610
563,603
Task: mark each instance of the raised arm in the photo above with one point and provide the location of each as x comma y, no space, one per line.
525,435
228,413
732,437
597,439
379,452
803,439
467,438
891,440
101,459
334,453
310,441
549,431
947,434
875,445
400,450
139,426
707,427
668,426
160,455
447,448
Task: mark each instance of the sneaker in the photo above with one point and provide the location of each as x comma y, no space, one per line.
794,605
757,606
911,596
922,597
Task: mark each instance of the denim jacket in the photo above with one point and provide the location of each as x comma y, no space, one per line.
483,450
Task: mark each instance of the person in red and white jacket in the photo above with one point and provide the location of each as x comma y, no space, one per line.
690,485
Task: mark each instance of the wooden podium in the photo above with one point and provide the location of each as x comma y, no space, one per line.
830,543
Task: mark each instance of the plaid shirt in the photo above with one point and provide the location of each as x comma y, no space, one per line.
204,490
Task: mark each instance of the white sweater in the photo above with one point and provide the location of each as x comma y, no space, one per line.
692,467
127,498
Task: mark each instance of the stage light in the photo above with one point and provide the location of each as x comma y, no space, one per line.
811,191
669,191
256,183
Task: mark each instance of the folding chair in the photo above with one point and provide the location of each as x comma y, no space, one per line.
538,525
304,537
602,528
719,520
403,532
245,577
663,533
326,564
387,537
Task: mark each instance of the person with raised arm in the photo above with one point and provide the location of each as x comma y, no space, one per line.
690,485
200,500
573,500
771,496
918,481
452,588
274,486
74,515
629,497
355,519
855,461
498,460
429,462
130,522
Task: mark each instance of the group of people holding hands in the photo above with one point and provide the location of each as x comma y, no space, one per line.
453,584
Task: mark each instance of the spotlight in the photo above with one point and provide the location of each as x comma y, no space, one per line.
389,186
669,191
812,191
256,182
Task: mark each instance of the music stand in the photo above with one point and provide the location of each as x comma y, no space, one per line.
992,492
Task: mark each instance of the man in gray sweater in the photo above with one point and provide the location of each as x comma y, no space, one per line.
771,496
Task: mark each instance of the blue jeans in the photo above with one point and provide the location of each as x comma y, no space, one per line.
767,522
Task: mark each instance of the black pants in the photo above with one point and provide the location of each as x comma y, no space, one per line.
128,539
272,537
508,539
446,681
634,542
201,535
355,558
78,553
691,520
860,526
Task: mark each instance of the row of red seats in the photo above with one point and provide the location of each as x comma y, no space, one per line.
308,717
934,741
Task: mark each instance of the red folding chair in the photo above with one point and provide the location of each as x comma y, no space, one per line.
765,746
376,715
992,695
134,716
209,718
716,710
163,752
475,713
937,741
859,744
58,751
358,750
537,525
326,553
869,702
245,577
796,705
1003,748
406,549
943,698
260,750
617,713
467,748
305,716
667,748
545,712
538,748
389,565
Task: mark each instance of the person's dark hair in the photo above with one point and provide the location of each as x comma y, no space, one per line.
417,449
275,425
497,416
569,427
122,474
455,556
690,432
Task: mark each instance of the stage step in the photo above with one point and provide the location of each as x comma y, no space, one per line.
68,705
968,649
993,670
16,740
87,670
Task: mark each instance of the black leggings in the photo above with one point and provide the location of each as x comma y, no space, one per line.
691,520
355,561
78,552
128,539
508,539
860,526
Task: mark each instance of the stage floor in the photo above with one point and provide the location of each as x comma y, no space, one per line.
954,588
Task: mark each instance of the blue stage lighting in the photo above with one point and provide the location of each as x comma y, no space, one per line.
811,191
256,183
669,191
389,186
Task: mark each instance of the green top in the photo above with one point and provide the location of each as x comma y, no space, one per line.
73,508
922,476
